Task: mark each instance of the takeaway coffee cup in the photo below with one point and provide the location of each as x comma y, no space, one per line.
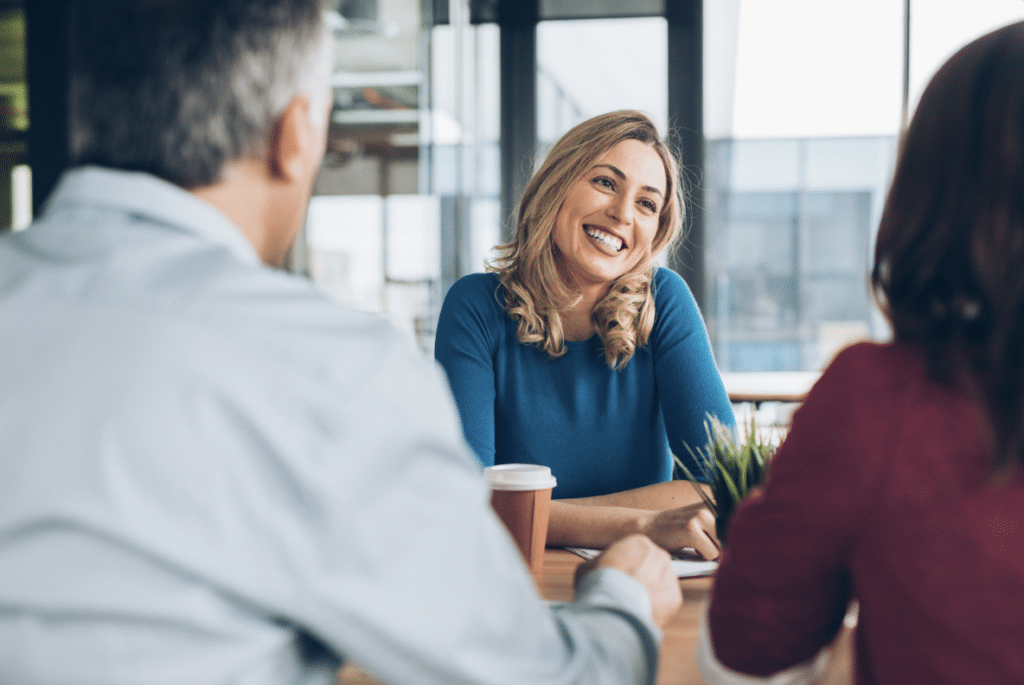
521,496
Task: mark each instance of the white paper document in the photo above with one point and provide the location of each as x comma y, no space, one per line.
686,563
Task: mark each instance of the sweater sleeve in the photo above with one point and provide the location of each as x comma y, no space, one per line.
784,585
465,346
688,383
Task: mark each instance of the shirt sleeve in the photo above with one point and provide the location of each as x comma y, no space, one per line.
689,385
783,585
417,581
464,346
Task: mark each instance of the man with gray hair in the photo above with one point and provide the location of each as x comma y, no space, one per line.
211,474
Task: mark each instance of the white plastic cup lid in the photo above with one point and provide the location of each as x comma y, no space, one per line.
519,477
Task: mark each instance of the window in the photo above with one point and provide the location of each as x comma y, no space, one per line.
406,200
591,66
804,104
15,179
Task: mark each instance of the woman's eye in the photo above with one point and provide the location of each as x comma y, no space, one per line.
606,182
649,205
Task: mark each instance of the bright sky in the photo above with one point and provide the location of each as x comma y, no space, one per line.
608,64
774,68
807,68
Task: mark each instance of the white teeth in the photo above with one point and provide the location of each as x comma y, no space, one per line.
605,239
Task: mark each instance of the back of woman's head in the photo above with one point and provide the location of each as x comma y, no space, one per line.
949,260
534,287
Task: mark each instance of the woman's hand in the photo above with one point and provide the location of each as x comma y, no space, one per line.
689,526
672,514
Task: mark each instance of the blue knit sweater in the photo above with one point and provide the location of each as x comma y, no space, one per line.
600,431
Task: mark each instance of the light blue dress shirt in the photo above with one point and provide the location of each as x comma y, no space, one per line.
211,474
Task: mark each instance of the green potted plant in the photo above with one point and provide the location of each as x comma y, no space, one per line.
729,469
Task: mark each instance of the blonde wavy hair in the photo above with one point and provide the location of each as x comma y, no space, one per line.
534,290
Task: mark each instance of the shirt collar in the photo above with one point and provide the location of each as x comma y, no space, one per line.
143,194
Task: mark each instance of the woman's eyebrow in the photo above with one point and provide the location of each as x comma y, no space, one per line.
618,172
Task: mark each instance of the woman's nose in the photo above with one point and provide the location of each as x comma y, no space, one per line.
621,208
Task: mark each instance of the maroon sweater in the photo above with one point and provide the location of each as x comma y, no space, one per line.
881,493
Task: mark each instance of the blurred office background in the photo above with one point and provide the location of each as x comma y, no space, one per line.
786,112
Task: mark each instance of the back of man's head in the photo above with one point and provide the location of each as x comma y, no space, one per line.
180,88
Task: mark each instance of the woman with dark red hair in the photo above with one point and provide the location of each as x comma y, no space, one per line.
900,485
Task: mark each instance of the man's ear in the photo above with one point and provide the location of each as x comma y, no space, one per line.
291,147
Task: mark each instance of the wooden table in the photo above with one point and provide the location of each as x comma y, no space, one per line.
769,386
677,666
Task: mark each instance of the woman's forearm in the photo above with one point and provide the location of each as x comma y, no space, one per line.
578,525
658,497
597,522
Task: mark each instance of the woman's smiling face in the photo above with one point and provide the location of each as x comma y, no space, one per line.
609,217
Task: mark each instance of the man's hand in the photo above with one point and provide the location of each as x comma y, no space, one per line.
689,526
649,564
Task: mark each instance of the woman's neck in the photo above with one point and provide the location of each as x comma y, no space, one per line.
576,321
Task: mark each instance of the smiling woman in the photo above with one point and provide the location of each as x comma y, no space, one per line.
607,223
578,352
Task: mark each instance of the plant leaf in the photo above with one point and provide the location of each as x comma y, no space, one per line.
731,469
708,501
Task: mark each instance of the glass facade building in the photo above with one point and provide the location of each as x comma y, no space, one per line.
788,115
